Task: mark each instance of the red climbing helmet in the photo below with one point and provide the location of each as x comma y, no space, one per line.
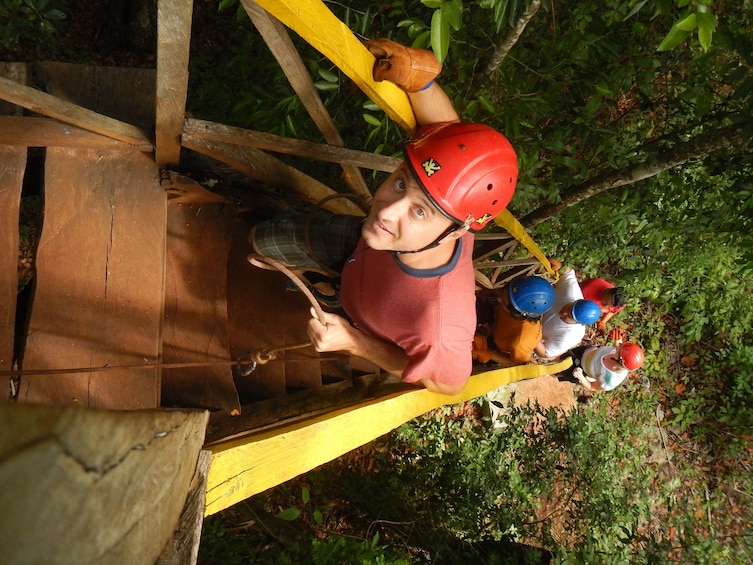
632,356
468,171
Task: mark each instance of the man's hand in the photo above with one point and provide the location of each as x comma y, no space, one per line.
617,335
409,68
335,335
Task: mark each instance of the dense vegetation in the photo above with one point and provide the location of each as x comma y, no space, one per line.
632,122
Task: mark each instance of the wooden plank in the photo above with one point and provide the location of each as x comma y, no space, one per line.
260,166
173,42
106,90
277,39
90,486
272,413
195,327
263,314
50,106
46,132
17,72
212,131
100,277
12,167
183,547
318,26
244,467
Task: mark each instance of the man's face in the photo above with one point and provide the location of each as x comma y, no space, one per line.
566,314
402,218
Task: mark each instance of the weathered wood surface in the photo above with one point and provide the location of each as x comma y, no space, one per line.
52,107
290,408
263,167
183,547
282,453
184,190
12,166
195,325
89,486
277,39
122,93
99,285
18,72
173,42
332,38
213,131
46,132
263,314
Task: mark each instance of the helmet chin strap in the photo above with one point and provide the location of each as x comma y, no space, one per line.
433,244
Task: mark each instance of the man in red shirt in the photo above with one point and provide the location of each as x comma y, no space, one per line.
610,298
407,286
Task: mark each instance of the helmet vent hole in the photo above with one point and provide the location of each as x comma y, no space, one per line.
489,187
461,147
494,203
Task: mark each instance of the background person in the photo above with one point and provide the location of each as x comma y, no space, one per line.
563,326
610,298
514,315
603,367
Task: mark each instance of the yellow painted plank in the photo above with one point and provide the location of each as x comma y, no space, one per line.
245,467
321,29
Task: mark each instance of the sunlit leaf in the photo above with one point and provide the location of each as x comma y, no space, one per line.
371,120
440,35
289,514
673,39
327,75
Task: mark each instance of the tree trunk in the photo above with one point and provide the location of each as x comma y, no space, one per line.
703,144
504,47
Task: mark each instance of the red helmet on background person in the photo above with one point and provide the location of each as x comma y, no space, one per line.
468,171
632,356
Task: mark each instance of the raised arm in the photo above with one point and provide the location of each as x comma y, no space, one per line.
413,70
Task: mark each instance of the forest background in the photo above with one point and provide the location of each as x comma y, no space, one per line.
633,124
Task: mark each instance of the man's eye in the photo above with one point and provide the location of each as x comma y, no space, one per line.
420,213
400,185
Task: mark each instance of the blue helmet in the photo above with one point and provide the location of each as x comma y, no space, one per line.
586,312
531,296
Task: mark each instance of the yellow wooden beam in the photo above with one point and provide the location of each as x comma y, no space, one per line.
244,467
319,27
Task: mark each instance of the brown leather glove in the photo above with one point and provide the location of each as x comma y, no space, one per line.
409,68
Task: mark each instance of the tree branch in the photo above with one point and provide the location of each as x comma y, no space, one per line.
504,47
702,144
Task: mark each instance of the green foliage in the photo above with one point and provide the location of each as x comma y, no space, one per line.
28,22
695,17
478,484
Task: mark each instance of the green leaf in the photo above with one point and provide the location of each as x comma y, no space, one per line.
371,120
289,514
453,11
433,4
318,517
326,86
706,28
225,4
688,23
635,9
486,103
329,76
440,35
673,39
305,495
